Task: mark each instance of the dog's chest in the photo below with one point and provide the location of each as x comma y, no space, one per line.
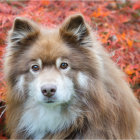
39,121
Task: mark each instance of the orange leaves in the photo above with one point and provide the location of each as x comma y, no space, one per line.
134,77
104,37
129,70
123,36
45,2
99,13
129,42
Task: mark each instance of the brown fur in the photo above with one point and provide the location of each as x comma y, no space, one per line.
109,108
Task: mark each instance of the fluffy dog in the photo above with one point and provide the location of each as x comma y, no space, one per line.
61,84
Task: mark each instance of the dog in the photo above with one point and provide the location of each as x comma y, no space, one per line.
62,84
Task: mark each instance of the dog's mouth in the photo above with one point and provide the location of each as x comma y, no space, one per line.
50,102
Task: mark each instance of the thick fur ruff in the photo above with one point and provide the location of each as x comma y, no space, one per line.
91,100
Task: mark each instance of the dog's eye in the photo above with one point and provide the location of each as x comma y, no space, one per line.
64,65
35,68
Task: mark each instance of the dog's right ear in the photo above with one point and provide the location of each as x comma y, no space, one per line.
23,31
75,30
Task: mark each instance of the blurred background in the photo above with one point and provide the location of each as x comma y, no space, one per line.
117,23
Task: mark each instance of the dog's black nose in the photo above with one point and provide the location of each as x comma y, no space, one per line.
48,90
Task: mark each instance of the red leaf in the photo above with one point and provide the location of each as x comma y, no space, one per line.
136,5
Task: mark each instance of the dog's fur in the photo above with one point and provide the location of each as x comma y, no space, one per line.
92,98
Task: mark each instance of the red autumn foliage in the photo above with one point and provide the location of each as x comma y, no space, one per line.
117,23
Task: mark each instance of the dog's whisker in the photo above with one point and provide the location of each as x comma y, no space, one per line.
3,106
2,112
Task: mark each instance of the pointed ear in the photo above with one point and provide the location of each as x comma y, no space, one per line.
75,31
23,31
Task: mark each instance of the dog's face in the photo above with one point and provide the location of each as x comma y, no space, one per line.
49,71
51,84
50,67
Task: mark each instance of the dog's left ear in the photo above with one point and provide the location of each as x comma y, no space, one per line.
75,31
23,31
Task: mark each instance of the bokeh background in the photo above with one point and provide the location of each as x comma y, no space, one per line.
117,23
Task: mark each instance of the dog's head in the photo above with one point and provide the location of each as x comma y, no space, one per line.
50,66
